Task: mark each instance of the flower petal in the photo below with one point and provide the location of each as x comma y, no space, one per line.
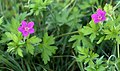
24,23
25,33
104,13
103,18
99,16
20,29
30,24
31,31
100,11
96,21
95,18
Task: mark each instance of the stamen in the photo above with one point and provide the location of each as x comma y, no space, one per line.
99,17
26,28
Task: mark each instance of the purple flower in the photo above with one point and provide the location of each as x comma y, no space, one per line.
99,16
26,29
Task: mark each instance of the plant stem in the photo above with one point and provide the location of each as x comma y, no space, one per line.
64,56
115,60
118,50
6,68
24,39
104,52
67,34
110,58
116,6
93,9
111,1
67,6
115,49
80,66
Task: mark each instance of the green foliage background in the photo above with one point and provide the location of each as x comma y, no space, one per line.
65,38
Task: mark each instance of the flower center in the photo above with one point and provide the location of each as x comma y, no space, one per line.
99,17
26,28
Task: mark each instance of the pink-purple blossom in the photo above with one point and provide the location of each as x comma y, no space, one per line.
26,28
99,16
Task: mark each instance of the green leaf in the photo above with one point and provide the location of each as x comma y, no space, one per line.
80,58
11,44
84,5
34,40
91,29
92,37
45,57
48,40
107,31
31,43
86,30
86,42
39,5
111,33
77,40
74,38
12,36
4,38
47,52
97,66
19,51
108,8
80,38
99,61
86,55
82,50
47,48
93,25
100,40
93,55
30,49
47,2
1,20
12,26
11,49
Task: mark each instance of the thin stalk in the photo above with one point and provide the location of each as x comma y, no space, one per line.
65,40
22,65
118,50
110,58
111,1
24,39
117,67
63,56
71,65
28,2
80,65
114,52
67,6
104,52
116,6
93,9
34,66
115,60
67,34
6,68
110,17
97,3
